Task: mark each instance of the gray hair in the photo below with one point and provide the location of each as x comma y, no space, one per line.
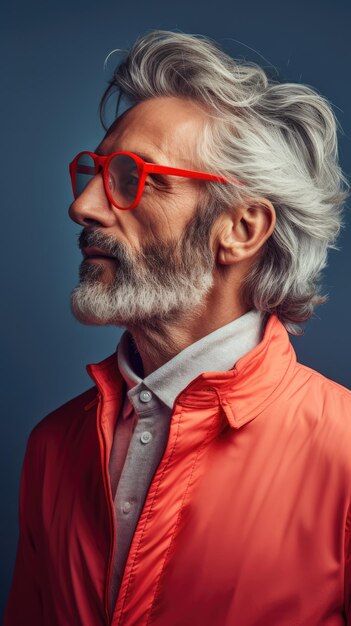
279,138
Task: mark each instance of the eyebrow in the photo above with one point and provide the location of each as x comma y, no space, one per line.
145,157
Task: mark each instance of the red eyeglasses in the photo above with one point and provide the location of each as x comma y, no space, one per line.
124,175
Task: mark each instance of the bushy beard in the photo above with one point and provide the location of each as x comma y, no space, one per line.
160,281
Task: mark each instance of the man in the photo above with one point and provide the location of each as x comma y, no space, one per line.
205,477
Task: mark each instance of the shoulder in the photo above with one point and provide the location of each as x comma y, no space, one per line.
67,416
325,406
328,388
323,397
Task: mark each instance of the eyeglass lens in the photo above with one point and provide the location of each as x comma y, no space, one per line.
122,177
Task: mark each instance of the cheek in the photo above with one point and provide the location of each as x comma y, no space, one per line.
164,214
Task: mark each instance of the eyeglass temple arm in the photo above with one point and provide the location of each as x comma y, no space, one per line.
174,171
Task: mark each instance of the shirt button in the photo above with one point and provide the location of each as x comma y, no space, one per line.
145,437
145,396
126,507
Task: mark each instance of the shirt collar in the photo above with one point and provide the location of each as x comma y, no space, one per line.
217,351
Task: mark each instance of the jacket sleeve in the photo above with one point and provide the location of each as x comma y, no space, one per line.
24,604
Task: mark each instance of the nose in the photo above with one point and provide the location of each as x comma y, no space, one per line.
92,205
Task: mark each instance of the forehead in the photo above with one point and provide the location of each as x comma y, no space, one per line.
163,129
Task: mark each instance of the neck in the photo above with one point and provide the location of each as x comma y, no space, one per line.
158,341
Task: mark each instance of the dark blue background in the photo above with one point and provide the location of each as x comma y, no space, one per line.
52,78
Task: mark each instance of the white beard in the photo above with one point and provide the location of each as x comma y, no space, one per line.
161,281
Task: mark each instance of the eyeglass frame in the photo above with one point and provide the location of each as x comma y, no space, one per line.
144,169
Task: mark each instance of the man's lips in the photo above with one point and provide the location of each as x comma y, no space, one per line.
93,252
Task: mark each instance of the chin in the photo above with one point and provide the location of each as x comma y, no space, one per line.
84,317
87,307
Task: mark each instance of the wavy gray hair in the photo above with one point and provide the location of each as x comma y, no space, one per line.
279,138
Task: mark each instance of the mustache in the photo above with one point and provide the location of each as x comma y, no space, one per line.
107,243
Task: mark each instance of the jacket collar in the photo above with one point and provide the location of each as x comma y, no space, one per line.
243,392
218,351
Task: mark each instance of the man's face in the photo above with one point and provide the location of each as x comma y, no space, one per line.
163,262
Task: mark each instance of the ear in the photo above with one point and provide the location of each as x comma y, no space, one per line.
242,232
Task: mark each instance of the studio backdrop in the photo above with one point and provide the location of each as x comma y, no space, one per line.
56,62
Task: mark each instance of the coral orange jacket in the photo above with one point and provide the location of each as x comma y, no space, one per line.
246,521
